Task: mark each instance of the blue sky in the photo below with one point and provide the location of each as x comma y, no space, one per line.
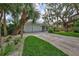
41,8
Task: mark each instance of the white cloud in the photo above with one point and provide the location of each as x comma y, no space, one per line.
40,21
40,8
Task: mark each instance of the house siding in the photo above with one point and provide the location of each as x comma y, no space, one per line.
29,27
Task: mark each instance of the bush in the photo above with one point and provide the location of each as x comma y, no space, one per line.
76,29
50,30
56,30
76,26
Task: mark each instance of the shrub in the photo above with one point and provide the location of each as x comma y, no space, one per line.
76,26
56,30
50,30
76,29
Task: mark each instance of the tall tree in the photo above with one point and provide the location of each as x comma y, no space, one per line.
26,12
64,12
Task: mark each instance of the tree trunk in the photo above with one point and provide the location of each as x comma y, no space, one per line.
57,21
57,24
23,21
32,27
4,24
22,27
65,25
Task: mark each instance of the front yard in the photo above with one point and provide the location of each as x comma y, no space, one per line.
34,46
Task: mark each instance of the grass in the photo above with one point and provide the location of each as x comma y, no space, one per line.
34,46
9,48
68,34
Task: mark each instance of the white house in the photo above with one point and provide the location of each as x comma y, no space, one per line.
34,27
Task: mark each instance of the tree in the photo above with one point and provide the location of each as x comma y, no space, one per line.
26,12
62,11
4,9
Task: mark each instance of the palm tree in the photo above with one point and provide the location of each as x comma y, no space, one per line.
26,12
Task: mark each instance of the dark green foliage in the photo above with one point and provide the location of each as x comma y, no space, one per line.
34,46
11,28
76,26
76,29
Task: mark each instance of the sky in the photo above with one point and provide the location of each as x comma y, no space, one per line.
9,18
41,7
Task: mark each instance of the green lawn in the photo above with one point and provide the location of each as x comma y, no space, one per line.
68,34
34,46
